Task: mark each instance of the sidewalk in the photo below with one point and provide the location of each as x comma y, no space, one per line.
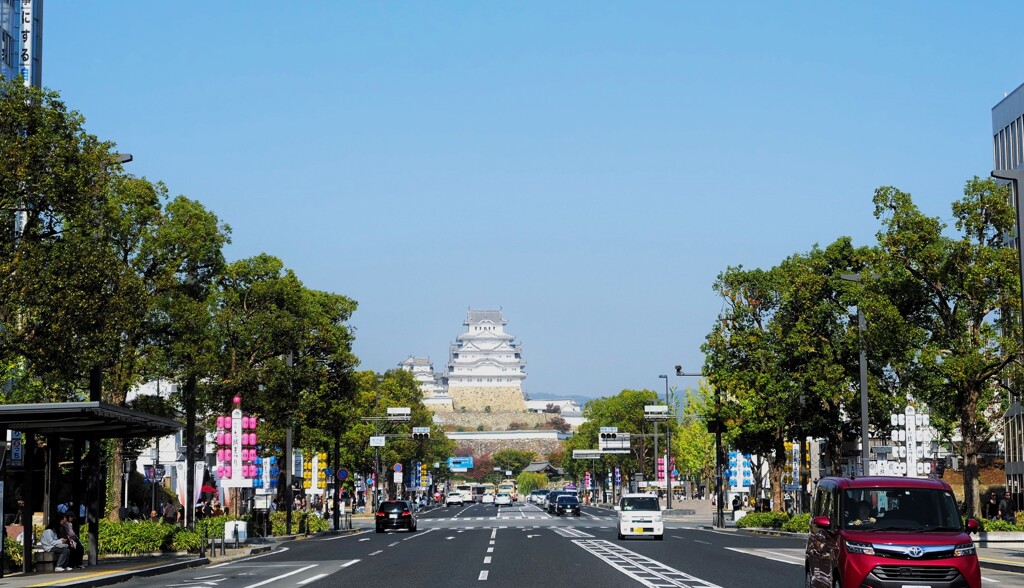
113,570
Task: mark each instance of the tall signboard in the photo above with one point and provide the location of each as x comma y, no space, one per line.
31,33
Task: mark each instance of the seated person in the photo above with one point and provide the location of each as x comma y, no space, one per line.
52,542
863,514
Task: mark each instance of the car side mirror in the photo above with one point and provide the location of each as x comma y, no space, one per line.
973,526
823,522
617,507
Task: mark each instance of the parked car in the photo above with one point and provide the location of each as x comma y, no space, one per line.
887,531
395,514
640,515
503,499
487,499
454,499
567,504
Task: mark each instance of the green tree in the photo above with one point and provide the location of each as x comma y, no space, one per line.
513,459
527,482
693,444
964,308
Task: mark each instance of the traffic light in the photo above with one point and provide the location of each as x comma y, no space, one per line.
609,435
421,433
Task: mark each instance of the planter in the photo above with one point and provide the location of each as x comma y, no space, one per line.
1001,539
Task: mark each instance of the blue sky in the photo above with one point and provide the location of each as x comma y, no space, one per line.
588,167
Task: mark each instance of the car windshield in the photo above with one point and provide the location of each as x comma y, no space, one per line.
640,503
900,509
568,500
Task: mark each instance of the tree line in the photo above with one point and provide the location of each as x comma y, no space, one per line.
942,309
109,282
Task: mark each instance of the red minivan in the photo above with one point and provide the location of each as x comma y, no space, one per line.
889,533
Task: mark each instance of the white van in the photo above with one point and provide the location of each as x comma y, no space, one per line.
640,515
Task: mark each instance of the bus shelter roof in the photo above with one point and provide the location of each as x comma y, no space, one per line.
85,420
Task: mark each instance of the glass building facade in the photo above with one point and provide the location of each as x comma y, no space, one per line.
1008,154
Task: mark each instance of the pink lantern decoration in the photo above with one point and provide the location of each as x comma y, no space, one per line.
220,455
246,422
227,438
252,439
220,471
237,399
227,471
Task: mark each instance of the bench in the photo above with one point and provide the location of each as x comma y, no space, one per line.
46,561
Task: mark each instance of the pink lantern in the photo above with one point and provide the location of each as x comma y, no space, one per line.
237,399
227,471
220,471
220,455
252,439
227,438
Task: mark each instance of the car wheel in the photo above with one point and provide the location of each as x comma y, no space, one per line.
660,537
621,536
577,514
412,529
379,530
837,582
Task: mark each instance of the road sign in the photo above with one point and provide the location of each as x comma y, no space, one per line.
675,473
398,468
398,477
586,454
328,472
460,463
416,430
609,429
342,474
377,441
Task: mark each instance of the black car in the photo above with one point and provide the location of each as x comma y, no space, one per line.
395,514
567,504
552,499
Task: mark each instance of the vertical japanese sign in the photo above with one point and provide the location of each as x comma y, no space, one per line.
17,450
27,41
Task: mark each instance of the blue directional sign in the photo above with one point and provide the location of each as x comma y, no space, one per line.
460,463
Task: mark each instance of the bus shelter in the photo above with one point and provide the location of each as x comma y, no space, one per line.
84,424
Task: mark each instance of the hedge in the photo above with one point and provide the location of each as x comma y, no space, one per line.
765,520
800,523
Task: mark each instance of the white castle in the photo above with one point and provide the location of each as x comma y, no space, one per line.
485,369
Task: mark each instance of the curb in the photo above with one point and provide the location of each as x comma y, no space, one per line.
118,577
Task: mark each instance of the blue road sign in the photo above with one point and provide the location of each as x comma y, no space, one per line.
342,474
398,467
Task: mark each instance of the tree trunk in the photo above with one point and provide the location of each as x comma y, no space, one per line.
969,446
775,469
115,482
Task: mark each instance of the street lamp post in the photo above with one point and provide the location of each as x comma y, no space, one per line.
668,449
865,458
717,424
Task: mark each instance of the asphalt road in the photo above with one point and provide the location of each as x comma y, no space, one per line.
519,546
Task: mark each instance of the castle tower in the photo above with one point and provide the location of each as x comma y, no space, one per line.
435,397
485,365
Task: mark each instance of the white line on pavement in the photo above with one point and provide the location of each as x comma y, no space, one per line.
353,562
490,550
647,571
313,579
238,561
276,578
483,575
487,560
378,551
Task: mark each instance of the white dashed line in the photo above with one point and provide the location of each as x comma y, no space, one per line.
483,575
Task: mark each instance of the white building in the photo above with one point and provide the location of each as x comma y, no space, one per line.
435,394
485,365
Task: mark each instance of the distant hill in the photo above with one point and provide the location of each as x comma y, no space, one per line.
582,400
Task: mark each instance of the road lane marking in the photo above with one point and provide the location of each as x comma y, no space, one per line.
648,572
483,575
487,560
250,558
366,539
353,562
790,556
699,541
378,551
493,533
490,550
282,576
313,579
572,533
395,543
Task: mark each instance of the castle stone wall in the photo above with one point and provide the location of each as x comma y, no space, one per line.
478,398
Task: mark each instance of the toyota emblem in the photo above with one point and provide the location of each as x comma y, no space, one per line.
915,551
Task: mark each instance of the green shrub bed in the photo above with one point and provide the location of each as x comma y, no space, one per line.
133,538
763,520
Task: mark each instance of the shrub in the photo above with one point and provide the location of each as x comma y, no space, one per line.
763,520
302,522
13,553
998,525
800,523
